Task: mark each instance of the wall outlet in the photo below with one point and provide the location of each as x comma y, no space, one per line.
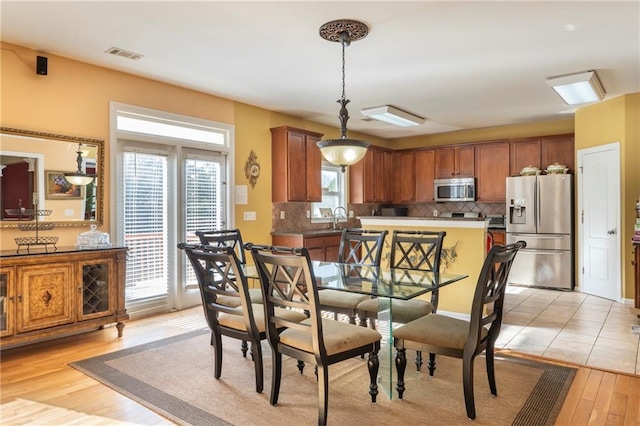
249,215
282,215
351,213
308,214
435,213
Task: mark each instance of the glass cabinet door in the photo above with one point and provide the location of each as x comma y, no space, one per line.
96,294
6,298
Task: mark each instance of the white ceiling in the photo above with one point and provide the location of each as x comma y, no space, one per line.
461,65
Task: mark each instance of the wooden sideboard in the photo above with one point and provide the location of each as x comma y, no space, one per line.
637,277
70,291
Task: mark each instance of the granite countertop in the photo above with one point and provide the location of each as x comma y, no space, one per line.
459,219
310,232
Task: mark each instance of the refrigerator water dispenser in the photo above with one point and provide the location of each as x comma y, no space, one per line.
517,211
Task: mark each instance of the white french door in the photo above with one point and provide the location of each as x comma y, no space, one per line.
204,208
172,177
166,194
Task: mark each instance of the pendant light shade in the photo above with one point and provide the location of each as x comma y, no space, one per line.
79,177
344,151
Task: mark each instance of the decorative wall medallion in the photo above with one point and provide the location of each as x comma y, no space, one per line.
252,169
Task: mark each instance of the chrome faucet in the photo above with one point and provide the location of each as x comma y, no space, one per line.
335,216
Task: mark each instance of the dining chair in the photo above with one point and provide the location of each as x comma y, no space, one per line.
231,238
358,247
410,250
287,281
219,274
440,334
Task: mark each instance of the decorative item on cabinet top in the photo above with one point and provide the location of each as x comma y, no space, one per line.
252,169
556,169
92,239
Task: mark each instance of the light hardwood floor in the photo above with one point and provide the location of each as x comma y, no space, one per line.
38,387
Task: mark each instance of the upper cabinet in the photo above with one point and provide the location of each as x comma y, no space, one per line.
425,173
492,169
370,179
296,165
541,152
558,149
458,161
404,177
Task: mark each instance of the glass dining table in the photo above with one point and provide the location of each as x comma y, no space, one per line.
388,283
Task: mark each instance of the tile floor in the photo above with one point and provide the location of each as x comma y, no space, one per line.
571,326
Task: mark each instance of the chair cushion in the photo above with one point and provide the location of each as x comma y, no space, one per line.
255,294
436,330
341,299
237,321
402,311
338,337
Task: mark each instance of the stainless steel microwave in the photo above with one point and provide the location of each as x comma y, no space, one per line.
457,189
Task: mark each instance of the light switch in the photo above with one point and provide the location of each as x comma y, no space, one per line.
351,213
249,215
308,214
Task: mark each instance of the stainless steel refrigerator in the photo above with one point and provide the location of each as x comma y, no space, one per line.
540,212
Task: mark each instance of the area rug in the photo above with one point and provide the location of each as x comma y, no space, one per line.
174,377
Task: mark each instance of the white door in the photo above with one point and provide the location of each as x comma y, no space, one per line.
599,221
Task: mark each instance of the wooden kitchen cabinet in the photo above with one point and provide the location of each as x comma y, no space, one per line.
404,177
424,174
323,247
558,149
370,179
542,152
296,165
48,295
499,237
454,162
492,170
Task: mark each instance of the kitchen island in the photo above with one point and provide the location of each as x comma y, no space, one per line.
464,251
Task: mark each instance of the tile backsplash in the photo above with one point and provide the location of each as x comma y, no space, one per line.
296,213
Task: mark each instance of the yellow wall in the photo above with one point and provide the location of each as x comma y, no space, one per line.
617,120
488,133
73,100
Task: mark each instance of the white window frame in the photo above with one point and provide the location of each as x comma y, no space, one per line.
343,194
177,146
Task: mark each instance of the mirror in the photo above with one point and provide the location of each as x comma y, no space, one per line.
32,167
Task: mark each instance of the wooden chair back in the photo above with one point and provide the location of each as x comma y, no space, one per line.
287,281
488,298
419,250
219,273
361,246
224,237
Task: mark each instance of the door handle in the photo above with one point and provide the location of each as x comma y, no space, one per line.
611,232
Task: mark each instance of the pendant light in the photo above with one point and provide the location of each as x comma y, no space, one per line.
343,152
79,177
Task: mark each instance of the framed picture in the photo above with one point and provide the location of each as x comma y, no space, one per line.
58,188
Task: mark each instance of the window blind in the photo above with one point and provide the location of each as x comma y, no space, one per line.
145,211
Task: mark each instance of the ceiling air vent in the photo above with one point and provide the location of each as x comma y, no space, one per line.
124,53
